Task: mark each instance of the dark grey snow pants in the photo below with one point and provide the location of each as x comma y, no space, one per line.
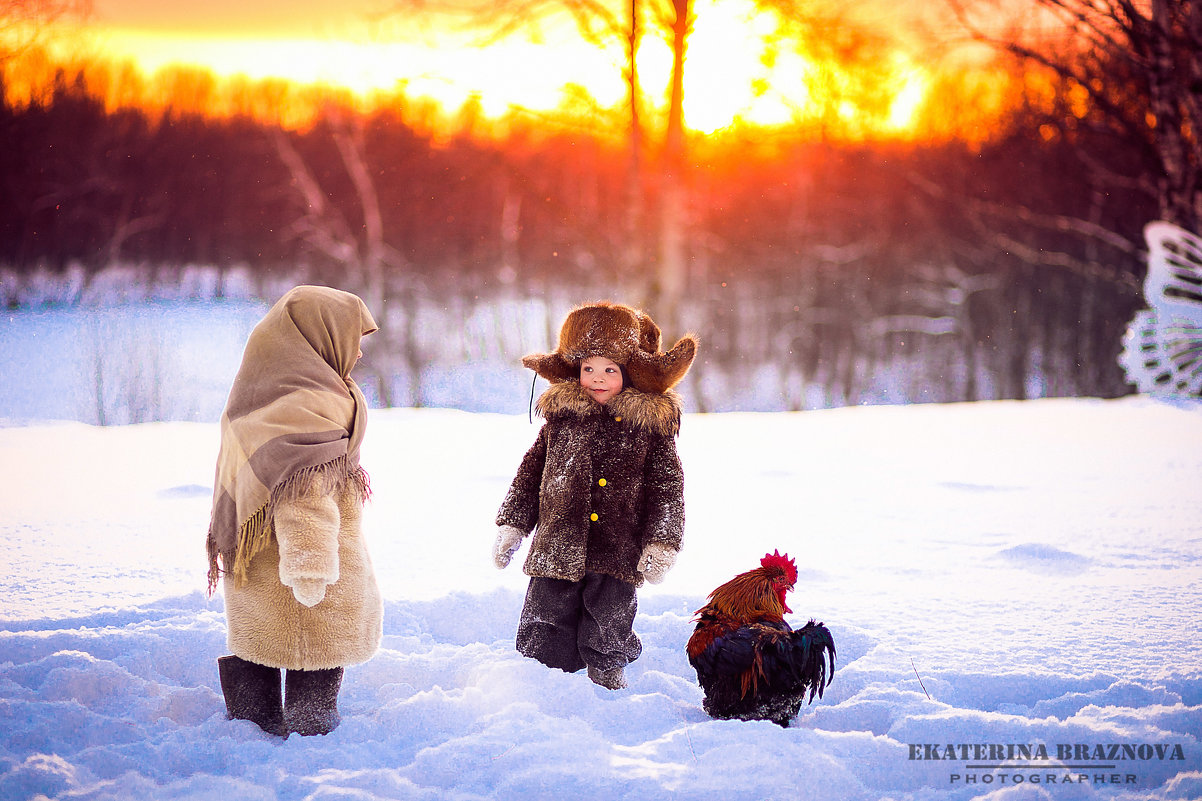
573,624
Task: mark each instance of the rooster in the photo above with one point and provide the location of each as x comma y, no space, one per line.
751,664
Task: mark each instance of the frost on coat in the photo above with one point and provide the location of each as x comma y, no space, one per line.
317,539
599,483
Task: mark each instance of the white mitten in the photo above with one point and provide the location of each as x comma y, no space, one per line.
307,531
656,561
509,539
308,591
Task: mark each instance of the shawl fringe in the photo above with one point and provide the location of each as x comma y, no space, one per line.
256,532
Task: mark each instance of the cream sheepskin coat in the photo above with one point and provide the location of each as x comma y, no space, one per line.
318,555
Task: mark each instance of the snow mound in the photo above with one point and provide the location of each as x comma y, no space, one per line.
1045,558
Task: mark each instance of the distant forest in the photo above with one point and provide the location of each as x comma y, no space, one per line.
845,272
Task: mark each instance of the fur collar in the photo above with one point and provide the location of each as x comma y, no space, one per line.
655,413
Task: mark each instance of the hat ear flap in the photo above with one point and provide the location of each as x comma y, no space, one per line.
550,366
658,372
649,334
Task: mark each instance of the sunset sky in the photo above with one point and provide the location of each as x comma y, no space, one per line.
335,42
729,74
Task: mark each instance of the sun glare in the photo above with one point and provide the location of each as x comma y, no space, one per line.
728,75
736,72
903,111
501,76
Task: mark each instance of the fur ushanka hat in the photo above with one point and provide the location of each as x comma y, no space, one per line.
619,333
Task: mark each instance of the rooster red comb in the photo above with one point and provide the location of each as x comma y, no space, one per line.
782,562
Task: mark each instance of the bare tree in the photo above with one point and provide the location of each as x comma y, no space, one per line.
323,227
670,277
25,23
1139,64
655,218
126,390
357,248
659,180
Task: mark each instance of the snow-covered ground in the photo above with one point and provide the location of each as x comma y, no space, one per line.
124,362
1025,575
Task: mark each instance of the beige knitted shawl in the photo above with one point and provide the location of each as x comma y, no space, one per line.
294,416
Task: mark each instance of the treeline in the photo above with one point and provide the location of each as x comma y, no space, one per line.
843,272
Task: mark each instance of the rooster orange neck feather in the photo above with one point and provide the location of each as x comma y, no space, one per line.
748,596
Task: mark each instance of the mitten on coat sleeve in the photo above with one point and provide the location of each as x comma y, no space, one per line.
307,530
509,539
656,561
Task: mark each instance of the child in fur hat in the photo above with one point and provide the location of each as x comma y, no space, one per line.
300,592
602,488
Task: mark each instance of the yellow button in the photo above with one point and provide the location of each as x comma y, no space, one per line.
594,517
601,482
618,419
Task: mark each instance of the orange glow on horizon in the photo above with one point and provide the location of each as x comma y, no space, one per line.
502,76
739,75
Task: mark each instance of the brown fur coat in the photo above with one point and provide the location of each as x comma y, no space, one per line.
617,462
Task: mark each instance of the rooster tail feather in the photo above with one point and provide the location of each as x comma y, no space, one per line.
816,667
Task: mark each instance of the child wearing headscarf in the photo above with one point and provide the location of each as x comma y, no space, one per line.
284,539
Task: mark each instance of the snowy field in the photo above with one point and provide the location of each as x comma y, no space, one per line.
1015,590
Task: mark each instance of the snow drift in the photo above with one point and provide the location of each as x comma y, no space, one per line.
1013,589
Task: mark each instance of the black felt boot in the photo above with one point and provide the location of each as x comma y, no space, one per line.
311,700
252,692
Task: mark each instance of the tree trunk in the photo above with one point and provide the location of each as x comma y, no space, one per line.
371,254
668,289
634,252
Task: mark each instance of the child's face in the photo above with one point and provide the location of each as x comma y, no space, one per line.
601,377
